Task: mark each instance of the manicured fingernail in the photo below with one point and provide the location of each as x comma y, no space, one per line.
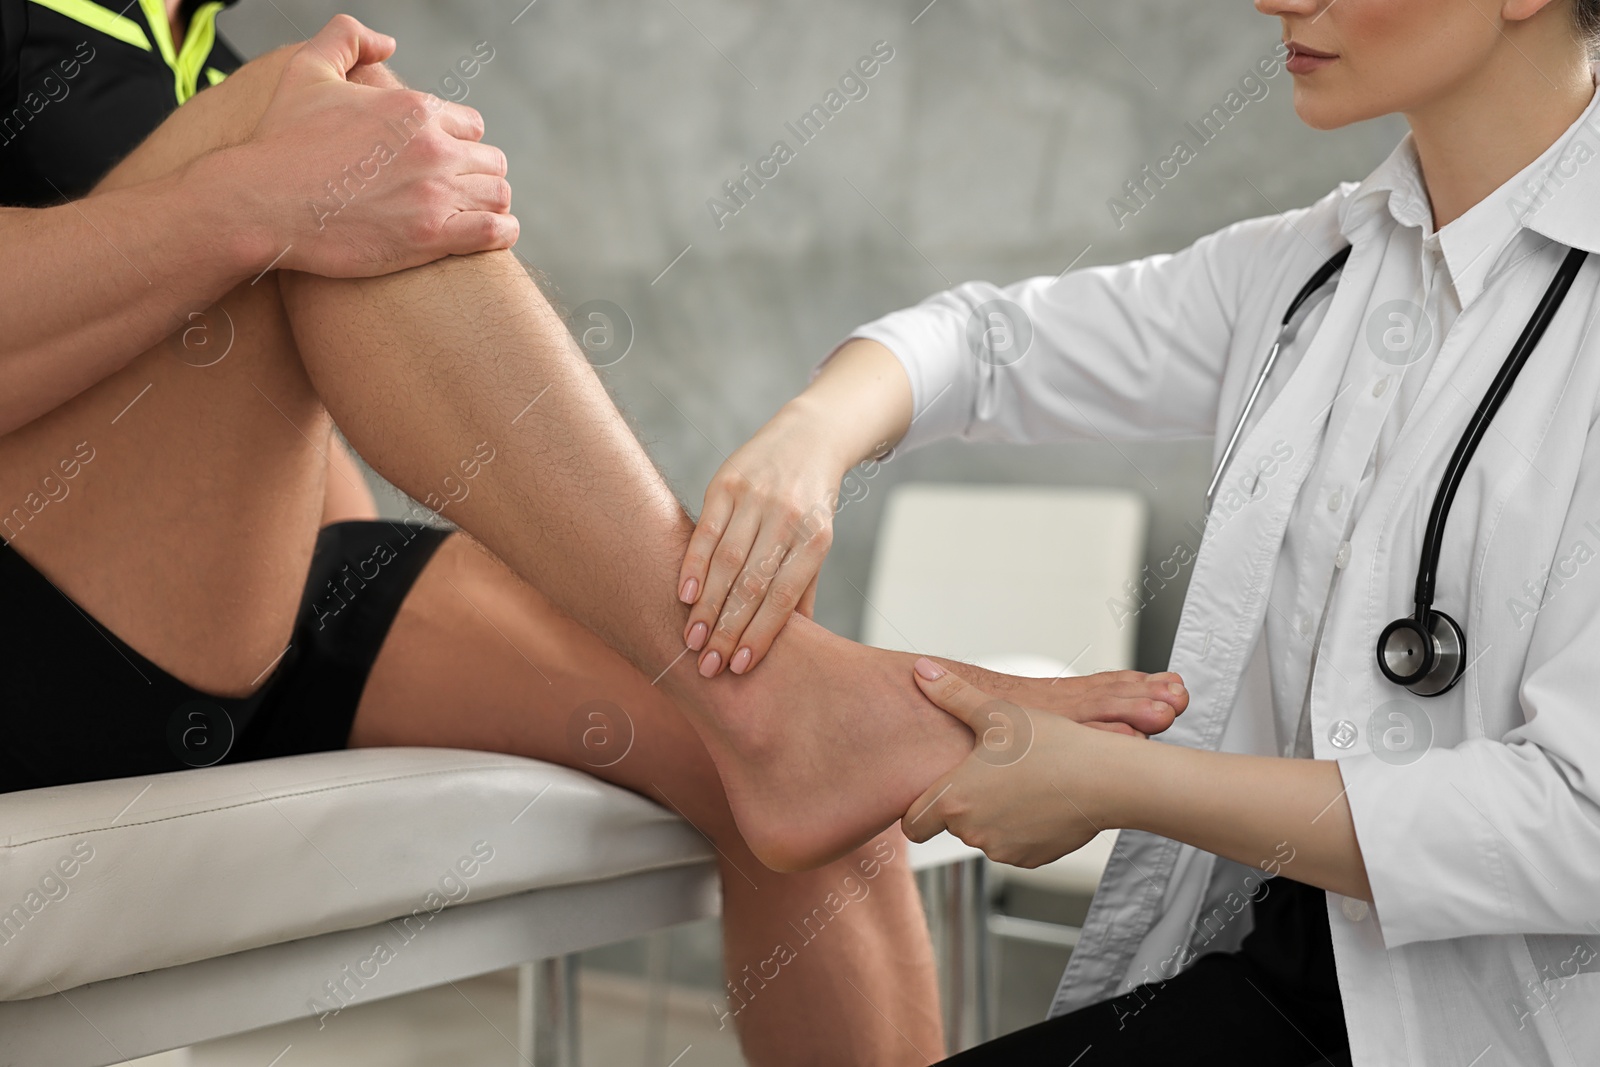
697,636
1176,690
691,587
741,661
929,669
709,663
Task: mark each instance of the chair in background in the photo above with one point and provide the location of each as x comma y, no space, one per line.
1015,579
146,914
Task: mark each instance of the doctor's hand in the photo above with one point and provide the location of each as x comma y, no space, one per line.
1024,796
765,528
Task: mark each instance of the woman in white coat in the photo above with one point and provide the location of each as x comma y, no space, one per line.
1317,864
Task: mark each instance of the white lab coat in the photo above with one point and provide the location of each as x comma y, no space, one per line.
1483,943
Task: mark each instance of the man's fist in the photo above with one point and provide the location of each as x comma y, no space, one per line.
355,176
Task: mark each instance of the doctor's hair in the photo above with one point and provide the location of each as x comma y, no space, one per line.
1586,15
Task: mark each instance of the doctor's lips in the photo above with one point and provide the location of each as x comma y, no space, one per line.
1304,60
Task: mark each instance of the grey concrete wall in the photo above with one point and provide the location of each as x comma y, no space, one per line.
989,146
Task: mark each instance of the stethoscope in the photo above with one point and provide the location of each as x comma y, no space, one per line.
1426,651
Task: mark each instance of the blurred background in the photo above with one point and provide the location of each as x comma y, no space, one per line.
990,146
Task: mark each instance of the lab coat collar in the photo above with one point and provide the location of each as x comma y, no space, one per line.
1557,195
1554,196
1400,176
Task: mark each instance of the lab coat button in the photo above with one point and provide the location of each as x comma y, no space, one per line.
1305,626
1342,734
1341,558
1355,910
1380,387
1335,500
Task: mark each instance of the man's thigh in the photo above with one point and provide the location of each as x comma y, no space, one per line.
478,659
189,531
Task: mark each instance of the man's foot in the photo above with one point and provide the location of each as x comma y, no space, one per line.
822,747
830,741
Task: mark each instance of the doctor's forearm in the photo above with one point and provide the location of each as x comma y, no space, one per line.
1252,809
860,401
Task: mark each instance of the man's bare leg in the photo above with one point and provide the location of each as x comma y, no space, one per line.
189,536
820,750
819,753
516,674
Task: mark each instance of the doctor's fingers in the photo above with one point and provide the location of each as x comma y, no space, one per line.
715,515
726,559
758,582
751,589
985,825
978,709
808,601
780,598
1117,728
927,817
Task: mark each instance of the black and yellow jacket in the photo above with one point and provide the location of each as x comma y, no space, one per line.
82,84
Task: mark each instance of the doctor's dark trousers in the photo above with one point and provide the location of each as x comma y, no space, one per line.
1273,1003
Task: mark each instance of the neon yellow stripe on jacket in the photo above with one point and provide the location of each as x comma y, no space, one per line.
186,61
197,44
155,13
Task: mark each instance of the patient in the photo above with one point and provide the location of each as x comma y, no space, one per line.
180,343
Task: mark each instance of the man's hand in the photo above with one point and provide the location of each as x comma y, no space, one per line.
355,181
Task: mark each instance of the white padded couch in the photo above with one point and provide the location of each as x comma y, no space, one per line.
145,914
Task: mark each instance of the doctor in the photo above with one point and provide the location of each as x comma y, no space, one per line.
1375,836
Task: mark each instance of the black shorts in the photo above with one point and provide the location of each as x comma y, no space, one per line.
1273,1003
79,705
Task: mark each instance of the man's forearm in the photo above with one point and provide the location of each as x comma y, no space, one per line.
1255,810
108,276
105,278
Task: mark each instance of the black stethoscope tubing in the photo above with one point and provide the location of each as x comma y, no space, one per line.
1487,409
1425,653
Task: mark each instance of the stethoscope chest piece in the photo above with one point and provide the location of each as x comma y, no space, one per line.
1427,656
1426,652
